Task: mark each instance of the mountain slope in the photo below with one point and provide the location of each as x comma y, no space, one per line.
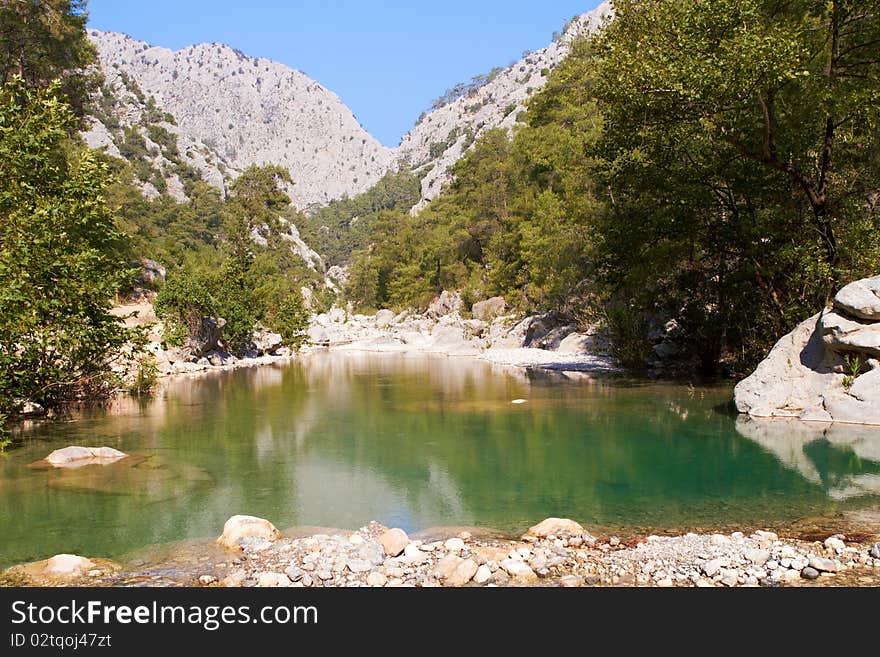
227,111
254,111
443,135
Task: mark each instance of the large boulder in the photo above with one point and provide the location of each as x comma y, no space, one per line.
446,304
552,526
384,318
319,335
267,342
860,299
850,336
489,309
208,337
151,273
243,527
826,369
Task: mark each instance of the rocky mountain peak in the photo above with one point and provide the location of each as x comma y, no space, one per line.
254,111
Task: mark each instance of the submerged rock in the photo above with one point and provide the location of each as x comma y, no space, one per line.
76,457
241,527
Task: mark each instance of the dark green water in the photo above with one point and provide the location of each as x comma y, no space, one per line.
417,442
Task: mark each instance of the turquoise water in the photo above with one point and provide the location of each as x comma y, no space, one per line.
337,440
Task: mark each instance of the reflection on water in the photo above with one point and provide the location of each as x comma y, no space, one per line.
844,459
415,441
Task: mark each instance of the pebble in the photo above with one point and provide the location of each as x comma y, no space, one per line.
810,573
614,541
824,565
483,575
835,543
518,569
454,545
874,552
376,579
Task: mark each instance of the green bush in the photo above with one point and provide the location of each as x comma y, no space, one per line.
290,319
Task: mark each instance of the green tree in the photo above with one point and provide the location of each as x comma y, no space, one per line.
45,40
60,257
740,148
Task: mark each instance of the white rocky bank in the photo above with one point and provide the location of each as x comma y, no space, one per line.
490,334
827,369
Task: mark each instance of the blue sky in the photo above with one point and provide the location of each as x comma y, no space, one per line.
387,60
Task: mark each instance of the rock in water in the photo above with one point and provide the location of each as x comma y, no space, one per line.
75,457
394,542
239,527
555,526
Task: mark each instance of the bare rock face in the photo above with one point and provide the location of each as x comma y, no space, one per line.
826,369
226,111
237,111
243,527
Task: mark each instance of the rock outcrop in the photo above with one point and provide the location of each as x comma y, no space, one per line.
826,369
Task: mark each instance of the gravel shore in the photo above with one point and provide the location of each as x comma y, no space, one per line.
555,553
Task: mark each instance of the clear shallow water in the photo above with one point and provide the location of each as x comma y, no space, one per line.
338,440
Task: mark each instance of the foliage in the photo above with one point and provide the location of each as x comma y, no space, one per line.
60,256
146,375
740,146
290,319
514,222
227,273
346,225
45,40
463,89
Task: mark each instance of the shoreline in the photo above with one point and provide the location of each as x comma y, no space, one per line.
553,553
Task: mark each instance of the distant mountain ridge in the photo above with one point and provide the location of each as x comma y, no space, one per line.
226,110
